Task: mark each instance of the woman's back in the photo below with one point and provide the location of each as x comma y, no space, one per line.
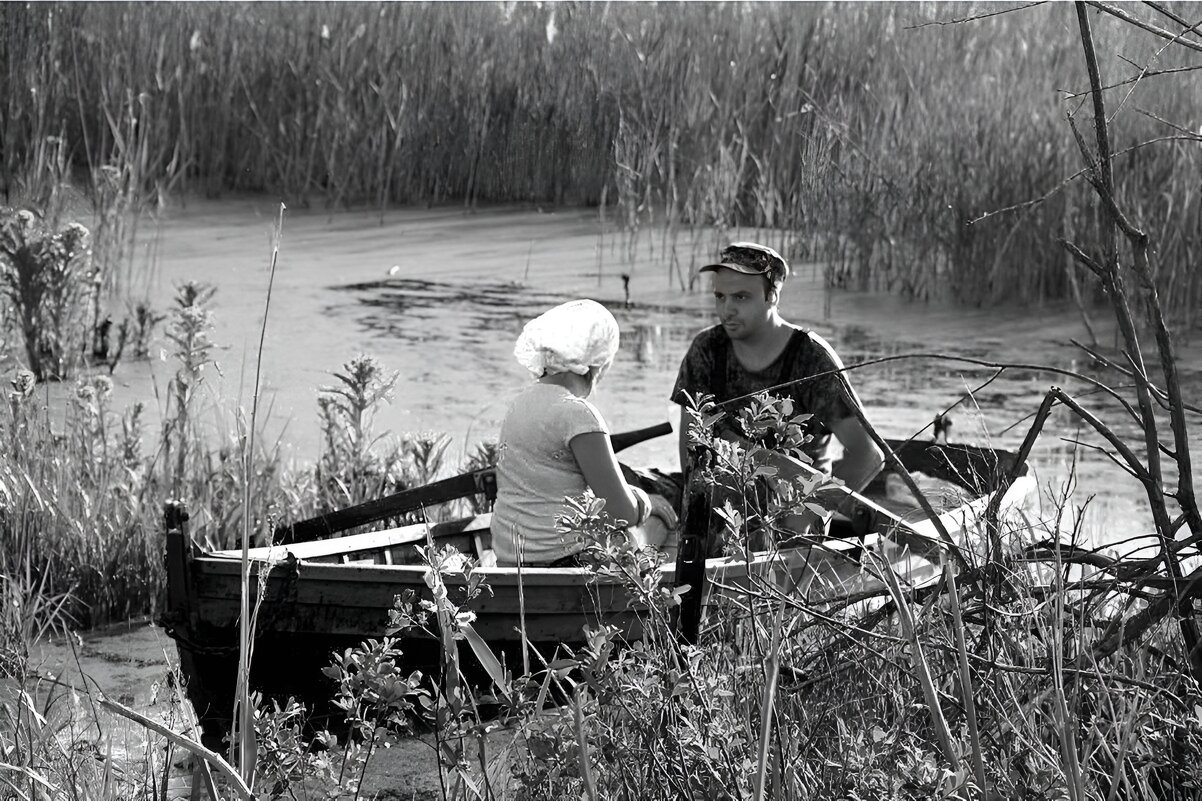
536,470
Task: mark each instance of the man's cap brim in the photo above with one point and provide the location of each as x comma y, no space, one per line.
738,268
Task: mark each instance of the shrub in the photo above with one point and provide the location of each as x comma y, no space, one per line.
47,280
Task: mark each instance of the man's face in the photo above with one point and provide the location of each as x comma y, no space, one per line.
741,303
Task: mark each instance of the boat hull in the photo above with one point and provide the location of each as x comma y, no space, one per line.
324,596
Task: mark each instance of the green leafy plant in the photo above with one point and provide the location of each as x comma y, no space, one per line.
351,468
46,278
285,759
759,506
189,331
379,703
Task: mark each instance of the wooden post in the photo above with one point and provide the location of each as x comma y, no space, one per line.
179,550
690,563
181,620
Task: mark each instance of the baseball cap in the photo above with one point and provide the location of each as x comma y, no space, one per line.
751,258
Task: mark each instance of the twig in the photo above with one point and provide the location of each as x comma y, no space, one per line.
1114,459
966,693
1167,12
1178,38
1186,133
1039,368
1065,182
1135,79
1123,449
1118,293
1024,452
849,398
919,660
1168,363
1159,394
1083,258
973,18
193,747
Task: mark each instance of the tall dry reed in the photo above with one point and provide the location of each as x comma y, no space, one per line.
854,133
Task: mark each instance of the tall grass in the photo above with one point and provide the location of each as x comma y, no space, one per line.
789,695
870,691
81,487
850,133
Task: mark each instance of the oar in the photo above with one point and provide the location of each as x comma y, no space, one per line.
448,489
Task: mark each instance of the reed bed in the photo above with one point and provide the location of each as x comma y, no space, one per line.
860,136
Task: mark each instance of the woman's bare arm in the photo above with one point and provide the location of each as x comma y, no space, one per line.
597,462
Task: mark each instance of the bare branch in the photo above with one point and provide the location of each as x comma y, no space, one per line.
1137,237
1159,394
953,548
1168,363
1154,484
1026,204
974,18
1087,261
1108,454
992,527
1178,38
971,393
1186,133
1168,13
1086,394
1145,69
1187,137
1121,447
1125,630
1041,368
1134,79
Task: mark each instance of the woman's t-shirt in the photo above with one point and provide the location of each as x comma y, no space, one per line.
536,470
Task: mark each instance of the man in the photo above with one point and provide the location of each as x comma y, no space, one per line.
752,348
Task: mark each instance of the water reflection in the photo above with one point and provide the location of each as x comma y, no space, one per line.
644,342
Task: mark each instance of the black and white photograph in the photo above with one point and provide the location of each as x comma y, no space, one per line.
609,400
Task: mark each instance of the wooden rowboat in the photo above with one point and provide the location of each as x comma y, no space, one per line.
323,595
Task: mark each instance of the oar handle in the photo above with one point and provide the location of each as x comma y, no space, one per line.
625,439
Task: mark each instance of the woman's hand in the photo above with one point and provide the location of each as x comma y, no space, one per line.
659,530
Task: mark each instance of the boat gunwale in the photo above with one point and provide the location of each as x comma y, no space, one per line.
228,561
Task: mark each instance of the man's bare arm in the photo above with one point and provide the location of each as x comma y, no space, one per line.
862,459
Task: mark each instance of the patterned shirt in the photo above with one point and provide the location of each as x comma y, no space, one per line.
710,366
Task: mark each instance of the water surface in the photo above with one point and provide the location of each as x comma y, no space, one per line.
439,296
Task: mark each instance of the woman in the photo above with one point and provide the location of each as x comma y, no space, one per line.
555,444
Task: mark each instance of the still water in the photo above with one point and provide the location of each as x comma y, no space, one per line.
439,296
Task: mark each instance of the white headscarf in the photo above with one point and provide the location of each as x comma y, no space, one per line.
569,338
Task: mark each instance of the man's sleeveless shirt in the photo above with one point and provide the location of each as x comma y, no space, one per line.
710,367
